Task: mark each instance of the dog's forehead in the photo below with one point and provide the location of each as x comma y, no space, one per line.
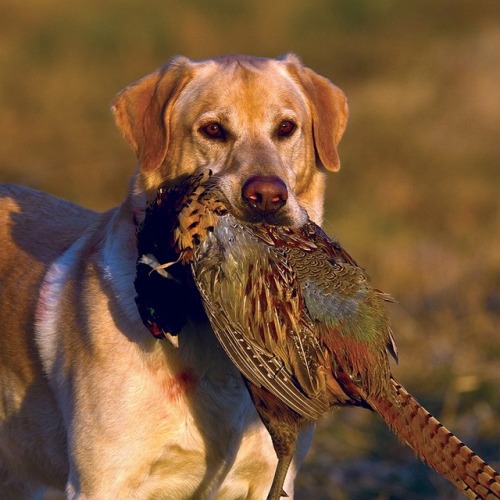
255,84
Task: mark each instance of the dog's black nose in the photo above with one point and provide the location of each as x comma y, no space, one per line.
264,194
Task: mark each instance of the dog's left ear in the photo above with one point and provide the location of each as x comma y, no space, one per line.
142,111
329,111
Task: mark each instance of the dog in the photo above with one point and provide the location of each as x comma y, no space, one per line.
92,405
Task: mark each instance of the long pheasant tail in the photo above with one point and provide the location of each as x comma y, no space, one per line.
436,445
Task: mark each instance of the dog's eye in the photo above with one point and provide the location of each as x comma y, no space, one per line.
214,130
286,128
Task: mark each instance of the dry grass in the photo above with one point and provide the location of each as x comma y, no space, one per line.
417,200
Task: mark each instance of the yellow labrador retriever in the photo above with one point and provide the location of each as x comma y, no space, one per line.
90,403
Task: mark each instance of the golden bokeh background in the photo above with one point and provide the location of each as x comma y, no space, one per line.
417,201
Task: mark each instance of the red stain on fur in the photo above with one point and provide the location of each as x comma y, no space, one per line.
180,385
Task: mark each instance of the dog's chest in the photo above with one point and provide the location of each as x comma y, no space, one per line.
189,426
211,434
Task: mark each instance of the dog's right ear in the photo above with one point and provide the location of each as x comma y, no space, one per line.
142,111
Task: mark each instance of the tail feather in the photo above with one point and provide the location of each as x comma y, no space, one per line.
436,445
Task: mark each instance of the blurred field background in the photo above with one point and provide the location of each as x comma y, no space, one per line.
417,200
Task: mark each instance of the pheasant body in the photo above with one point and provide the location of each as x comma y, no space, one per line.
300,320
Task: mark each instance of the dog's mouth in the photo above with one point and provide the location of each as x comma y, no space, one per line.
280,218
248,215
262,199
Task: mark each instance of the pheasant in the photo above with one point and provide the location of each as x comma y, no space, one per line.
297,316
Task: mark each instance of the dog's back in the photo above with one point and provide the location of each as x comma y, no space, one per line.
35,228
38,224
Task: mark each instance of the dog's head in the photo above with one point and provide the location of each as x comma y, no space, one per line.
267,128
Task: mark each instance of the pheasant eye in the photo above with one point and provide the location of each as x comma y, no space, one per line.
213,130
286,128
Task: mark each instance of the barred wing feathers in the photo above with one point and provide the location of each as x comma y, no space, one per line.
255,314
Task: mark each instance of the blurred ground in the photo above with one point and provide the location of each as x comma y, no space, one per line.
417,200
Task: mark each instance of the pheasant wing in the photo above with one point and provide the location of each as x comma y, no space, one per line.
254,304
348,314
